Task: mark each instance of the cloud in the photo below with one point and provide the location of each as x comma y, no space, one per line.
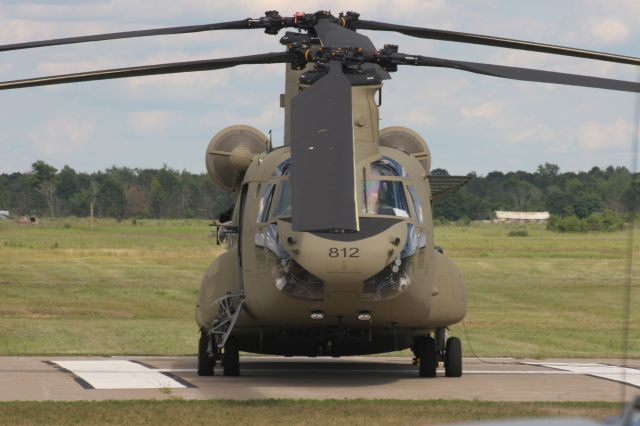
138,11
487,110
19,30
263,116
519,58
558,149
199,85
532,132
596,136
5,68
149,122
608,30
41,28
80,10
446,104
417,117
391,8
62,134
62,67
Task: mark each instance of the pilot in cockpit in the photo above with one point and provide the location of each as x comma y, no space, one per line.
380,198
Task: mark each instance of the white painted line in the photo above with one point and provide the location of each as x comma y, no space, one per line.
629,376
176,370
508,358
119,374
374,370
534,372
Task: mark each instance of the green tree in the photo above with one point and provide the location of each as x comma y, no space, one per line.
587,203
617,182
67,183
631,197
439,172
44,183
158,198
546,174
110,199
523,195
43,172
136,202
450,207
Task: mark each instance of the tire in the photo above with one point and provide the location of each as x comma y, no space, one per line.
231,358
453,358
427,356
205,362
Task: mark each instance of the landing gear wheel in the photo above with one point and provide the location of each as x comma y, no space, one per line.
205,361
231,358
427,356
453,358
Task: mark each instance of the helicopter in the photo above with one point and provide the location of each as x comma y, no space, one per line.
330,244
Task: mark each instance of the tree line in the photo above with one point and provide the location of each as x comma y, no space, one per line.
570,194
121,192
118,192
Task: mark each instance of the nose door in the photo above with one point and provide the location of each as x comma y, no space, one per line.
344,261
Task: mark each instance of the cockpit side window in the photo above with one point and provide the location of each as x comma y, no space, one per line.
283,169
264,202
282,206
417,207
384,197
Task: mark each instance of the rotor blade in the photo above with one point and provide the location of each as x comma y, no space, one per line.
332,34
494,41
232,25
527,74
170,68
322,156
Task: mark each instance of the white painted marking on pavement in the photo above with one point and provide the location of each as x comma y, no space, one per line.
118,374
629,376
398,371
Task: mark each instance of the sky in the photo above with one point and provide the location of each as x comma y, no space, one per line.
471,122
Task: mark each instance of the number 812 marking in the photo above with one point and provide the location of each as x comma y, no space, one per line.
344,252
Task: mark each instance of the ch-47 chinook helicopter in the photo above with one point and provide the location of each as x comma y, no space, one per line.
330,244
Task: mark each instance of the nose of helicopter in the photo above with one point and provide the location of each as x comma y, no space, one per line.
343,261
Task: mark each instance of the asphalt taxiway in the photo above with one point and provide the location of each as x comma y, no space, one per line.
101,378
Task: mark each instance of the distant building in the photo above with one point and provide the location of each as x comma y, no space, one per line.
4,214
521,217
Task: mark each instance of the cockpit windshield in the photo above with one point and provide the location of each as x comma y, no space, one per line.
384,197
387,166
378,196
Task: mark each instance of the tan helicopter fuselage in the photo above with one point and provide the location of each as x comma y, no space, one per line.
309,293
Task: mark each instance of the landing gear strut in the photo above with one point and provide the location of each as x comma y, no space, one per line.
219,336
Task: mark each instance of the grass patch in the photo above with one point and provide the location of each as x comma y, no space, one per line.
290,412
124,288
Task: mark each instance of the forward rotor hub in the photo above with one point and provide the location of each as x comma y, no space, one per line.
273,22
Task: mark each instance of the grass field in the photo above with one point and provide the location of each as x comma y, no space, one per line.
288,412
122,288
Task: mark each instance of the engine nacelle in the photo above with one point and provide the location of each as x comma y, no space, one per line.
408,141
231,151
